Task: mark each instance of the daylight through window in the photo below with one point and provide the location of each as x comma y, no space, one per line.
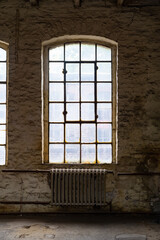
80,104
3,100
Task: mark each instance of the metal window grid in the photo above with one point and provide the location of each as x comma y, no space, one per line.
80,122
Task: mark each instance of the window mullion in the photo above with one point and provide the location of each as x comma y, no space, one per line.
80,101
95,89
64,147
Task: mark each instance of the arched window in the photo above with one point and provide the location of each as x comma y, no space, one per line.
79,100
3,101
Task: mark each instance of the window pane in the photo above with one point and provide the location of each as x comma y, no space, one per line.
56,132
103,53
2,113
56,71
2,72
104,132
104,112
72,72
2,93
56,92
87,112
87,52
2,134
80,95
2,155
3,54
56,153
72,92
72,133
104,91
56,54
72,153
104,72
72,111
87,92
88,153
88,133
104,153
72,52
87,72
56,112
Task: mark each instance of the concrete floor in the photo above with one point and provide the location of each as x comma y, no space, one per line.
77,226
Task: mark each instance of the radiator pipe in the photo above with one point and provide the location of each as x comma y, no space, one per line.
136,173
107,171
25,202
24,171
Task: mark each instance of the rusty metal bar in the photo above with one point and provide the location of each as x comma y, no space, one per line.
24,202
22,170
136,173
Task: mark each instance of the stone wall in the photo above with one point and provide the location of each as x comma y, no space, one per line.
135,185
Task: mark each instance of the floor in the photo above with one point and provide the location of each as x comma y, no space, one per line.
77,226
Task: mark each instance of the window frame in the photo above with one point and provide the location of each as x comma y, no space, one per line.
55,42
5,46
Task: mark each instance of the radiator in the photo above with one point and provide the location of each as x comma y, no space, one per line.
78,187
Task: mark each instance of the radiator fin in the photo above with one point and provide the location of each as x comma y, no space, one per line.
78,187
